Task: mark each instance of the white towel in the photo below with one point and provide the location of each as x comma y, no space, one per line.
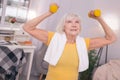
56,47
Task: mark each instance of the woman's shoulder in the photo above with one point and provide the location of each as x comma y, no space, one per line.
87,41
50,35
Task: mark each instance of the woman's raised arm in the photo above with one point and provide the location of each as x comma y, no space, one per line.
30,26
109,37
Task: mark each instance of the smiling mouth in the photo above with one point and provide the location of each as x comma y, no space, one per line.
73,29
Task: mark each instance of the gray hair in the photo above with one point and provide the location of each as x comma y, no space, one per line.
69,16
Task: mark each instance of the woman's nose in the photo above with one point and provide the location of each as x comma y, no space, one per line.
73,24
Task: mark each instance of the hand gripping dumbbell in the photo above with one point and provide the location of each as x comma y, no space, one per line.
96,12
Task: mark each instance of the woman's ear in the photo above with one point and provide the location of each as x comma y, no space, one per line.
64,29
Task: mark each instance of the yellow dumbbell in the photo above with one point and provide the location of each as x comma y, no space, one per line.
96,12
53,8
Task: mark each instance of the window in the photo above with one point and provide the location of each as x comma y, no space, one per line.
13,11
1,8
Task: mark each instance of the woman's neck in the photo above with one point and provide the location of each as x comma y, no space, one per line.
71,39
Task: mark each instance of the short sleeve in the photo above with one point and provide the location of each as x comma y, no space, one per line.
50,35
87,40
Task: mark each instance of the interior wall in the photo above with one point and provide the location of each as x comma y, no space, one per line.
110,11
90,27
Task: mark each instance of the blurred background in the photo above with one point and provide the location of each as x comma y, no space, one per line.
22,10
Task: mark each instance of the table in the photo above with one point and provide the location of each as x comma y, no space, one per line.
28,49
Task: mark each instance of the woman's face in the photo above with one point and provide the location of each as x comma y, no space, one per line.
72,27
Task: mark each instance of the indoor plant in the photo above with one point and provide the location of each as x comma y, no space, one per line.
87,75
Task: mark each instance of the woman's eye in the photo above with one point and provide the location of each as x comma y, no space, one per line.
69,21
77,22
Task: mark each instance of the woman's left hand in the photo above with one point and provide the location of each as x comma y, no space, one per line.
91,14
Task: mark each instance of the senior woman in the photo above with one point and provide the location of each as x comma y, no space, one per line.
67,52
